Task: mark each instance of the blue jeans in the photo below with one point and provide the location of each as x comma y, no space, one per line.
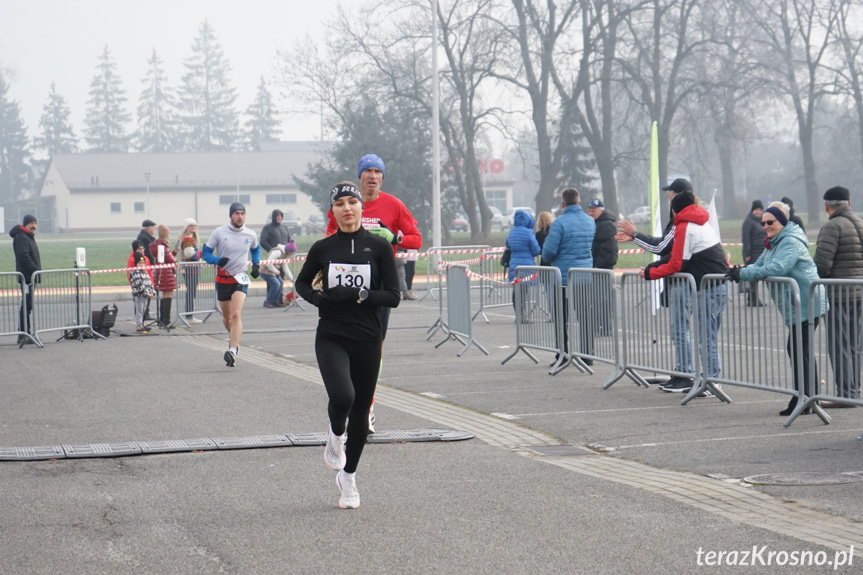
711,303
274,288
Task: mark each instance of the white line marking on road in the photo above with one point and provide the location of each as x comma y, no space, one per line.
738,438
675,406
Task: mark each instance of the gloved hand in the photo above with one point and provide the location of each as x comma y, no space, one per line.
343,293
733,274
320,299
256,271
383,232
223,261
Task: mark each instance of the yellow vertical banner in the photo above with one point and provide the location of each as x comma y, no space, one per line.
655,223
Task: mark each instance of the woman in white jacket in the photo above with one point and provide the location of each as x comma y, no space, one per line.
274,273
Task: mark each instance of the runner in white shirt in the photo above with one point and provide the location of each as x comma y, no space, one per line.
232,243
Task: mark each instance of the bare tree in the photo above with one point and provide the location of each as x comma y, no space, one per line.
591,100
539,26
392,62
659,57
722,118
794,39
850,43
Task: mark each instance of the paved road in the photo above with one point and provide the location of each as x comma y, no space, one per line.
665,485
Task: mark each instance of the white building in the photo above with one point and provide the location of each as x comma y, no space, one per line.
104,192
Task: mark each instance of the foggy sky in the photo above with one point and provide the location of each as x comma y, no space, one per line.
44,41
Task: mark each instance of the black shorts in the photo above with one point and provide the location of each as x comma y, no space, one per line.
225,291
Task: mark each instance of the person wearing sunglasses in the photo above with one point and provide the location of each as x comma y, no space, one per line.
787,255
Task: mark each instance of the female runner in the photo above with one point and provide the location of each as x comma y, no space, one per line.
359,277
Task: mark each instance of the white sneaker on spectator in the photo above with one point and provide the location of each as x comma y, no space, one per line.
347,483
334,452
194,320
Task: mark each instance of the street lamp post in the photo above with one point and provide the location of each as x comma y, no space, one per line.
147,177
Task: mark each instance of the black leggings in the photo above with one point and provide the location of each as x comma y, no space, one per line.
349,368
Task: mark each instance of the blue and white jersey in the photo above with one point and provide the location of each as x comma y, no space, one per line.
234,244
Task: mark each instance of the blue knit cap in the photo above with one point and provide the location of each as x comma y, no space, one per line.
370,161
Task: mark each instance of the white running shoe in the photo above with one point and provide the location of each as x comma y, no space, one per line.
194,321
372,419
347,483
334,452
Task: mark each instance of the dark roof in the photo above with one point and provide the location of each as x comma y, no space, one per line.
187,169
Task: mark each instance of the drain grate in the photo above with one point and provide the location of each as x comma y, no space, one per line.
559,450
803,478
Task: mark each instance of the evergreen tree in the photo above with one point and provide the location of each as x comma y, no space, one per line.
263,123
58,137
14,150
400,133
157,118
575,164
105,127
209,120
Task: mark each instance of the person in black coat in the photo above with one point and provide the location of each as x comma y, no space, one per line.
753,244
604,250
792,215
27,261
146,237
275,233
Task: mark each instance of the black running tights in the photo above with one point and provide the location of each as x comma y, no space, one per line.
349,368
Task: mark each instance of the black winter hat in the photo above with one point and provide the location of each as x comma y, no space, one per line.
756,205
681,201
28,218
837,193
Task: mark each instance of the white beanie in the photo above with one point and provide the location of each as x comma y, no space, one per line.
190,222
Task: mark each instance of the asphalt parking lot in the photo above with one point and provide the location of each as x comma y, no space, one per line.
649,487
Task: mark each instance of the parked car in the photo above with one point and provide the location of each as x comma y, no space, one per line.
293,223
510,214
316,224
498,219
641,215
459,223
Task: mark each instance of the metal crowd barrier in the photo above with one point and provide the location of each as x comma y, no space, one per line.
196,292
13,295
62,301
539,314
495,289
837,347
458,308
757,349
591,310
296,264
441,258
647,327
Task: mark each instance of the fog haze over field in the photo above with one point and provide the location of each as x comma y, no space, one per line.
60,41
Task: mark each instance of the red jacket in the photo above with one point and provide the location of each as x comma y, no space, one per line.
392,212
164,279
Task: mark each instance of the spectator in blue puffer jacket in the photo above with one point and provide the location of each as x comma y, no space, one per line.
569,245
570,238
521,242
